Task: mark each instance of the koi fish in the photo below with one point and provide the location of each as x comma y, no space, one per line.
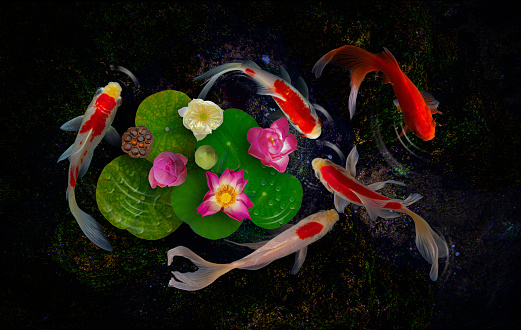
294,239
93,126
292,101
346,189
417,106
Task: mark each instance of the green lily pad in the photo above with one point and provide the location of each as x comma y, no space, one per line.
276,196
230,140
158,113
185,200
125,198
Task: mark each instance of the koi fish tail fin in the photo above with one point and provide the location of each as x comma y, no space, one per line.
207,273
359,62
429,244
90,227
215,73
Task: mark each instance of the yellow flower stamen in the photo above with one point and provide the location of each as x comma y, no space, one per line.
226,196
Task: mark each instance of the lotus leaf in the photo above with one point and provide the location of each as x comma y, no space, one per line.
276,196
230,140
125,198
185,200
158,113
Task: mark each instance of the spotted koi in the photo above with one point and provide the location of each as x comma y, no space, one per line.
346,189
296,238
292,101
92,127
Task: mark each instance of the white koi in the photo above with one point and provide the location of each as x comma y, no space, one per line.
92,127
292,101
294,239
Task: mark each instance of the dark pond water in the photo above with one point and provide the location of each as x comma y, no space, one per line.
363,274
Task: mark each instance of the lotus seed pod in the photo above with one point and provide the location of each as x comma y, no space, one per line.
206,157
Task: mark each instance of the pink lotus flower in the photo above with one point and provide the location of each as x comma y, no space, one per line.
168,170
226,195
272,145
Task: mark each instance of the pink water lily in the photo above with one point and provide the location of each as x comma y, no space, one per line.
272,145
168,170
226,194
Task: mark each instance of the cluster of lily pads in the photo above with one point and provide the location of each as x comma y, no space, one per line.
206,167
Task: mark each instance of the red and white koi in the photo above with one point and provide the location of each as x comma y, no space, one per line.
294,239
93,126
346,189
417,106
292,101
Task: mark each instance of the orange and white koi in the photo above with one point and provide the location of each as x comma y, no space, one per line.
294,239
417,106
93,126
346,189
292,101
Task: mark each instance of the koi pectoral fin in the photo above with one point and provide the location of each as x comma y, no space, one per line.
300,257
340,203
73,125
113,137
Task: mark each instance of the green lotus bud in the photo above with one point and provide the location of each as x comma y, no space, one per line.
206,157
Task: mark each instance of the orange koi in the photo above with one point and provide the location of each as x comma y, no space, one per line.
92,128
346,189
292,101
417,106
296,238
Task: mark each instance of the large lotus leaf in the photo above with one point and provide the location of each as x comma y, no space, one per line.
158,113
125,198
230,140
276,196
188,196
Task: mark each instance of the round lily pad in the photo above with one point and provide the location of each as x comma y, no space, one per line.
185,200
230,140
125,198
158,113
276,196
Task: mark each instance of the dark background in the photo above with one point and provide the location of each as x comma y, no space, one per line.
363,274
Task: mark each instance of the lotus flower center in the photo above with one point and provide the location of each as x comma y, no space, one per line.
226,196
203,116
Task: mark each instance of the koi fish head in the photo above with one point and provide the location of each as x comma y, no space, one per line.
331,217
317,164
422,126
113,89
317,130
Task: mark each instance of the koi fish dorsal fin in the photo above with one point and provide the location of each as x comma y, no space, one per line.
284,74
379,185
351,161
302,87
253,246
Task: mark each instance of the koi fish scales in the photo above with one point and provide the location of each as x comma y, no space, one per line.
346,189
295,106
417,106
93,126
294,239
